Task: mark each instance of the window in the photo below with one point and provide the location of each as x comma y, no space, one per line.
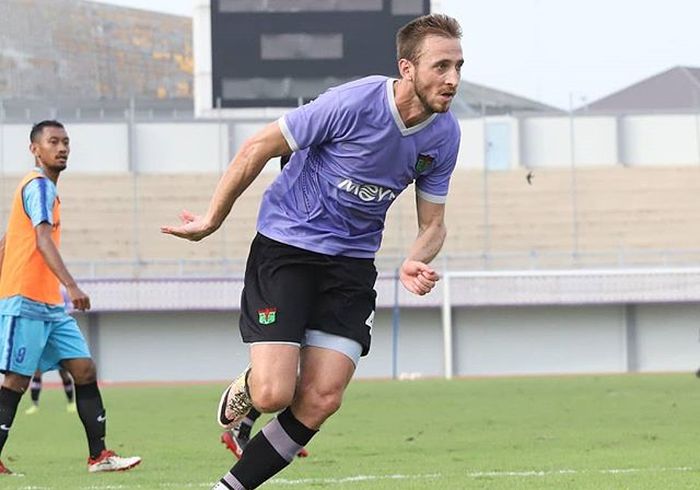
300,6
407,7
301,46
276,88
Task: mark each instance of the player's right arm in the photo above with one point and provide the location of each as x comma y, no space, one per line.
241,172
53,259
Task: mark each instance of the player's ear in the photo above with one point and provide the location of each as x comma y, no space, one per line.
406,69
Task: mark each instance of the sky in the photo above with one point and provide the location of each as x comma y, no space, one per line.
560,52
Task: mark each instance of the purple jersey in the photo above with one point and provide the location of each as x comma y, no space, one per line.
352,157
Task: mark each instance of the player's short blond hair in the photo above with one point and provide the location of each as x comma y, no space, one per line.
410,36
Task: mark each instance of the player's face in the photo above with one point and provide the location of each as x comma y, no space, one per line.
52,149
437,72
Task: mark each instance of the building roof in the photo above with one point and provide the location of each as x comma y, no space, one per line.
474,99
676,89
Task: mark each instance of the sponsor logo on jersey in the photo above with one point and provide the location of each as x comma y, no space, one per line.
266,316
367,192
424,163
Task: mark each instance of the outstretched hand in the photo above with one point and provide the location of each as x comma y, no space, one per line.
193,227
418,277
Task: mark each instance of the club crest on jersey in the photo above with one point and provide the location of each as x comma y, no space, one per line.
423,163
267,316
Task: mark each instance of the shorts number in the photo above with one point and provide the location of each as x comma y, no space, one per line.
21,353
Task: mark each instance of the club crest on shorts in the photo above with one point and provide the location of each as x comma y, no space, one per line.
266,316
423,163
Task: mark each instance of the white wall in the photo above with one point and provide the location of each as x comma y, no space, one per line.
97,148
202,346
522,340
14,148
182,346
660,140
595,141
180,147
419,347
201,46
547,141
471,145
536,142
668,337
538,340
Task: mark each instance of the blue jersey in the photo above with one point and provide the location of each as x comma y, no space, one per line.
353,156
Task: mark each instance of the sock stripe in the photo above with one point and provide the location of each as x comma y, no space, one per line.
281,441
232,482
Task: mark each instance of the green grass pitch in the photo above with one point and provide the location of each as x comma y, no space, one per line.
590,432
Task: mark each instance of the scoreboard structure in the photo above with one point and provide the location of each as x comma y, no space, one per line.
282,53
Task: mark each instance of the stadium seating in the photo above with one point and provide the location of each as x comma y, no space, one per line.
117,217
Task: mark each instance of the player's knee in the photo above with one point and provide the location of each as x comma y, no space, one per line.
271,397
84,372
16,383
324,404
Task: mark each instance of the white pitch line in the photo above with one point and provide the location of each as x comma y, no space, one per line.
275,481
613,471
352,479
365,478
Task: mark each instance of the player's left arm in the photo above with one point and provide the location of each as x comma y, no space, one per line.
54,261
415,273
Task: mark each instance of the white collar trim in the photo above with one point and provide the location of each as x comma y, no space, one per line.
397,117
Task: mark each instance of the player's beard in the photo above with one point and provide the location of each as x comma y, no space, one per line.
58,165
421,93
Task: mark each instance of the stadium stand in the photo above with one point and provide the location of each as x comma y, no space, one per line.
116,53
620,213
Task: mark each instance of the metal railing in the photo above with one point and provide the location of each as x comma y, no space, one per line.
532,260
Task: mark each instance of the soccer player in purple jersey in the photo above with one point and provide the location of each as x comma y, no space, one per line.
308,301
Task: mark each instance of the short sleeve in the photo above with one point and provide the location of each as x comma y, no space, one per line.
434,185
38,197
326,118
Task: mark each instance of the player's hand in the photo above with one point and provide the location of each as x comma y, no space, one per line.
418,277
80,300
193,227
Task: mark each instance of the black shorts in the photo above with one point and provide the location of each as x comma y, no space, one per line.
288,290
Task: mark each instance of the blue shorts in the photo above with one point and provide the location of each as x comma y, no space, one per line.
27,344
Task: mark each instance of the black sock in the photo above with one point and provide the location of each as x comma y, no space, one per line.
253,415
247,423
35,389
270,451
9,400
92,414
68,389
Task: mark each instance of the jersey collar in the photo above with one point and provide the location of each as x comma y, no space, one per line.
397,117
